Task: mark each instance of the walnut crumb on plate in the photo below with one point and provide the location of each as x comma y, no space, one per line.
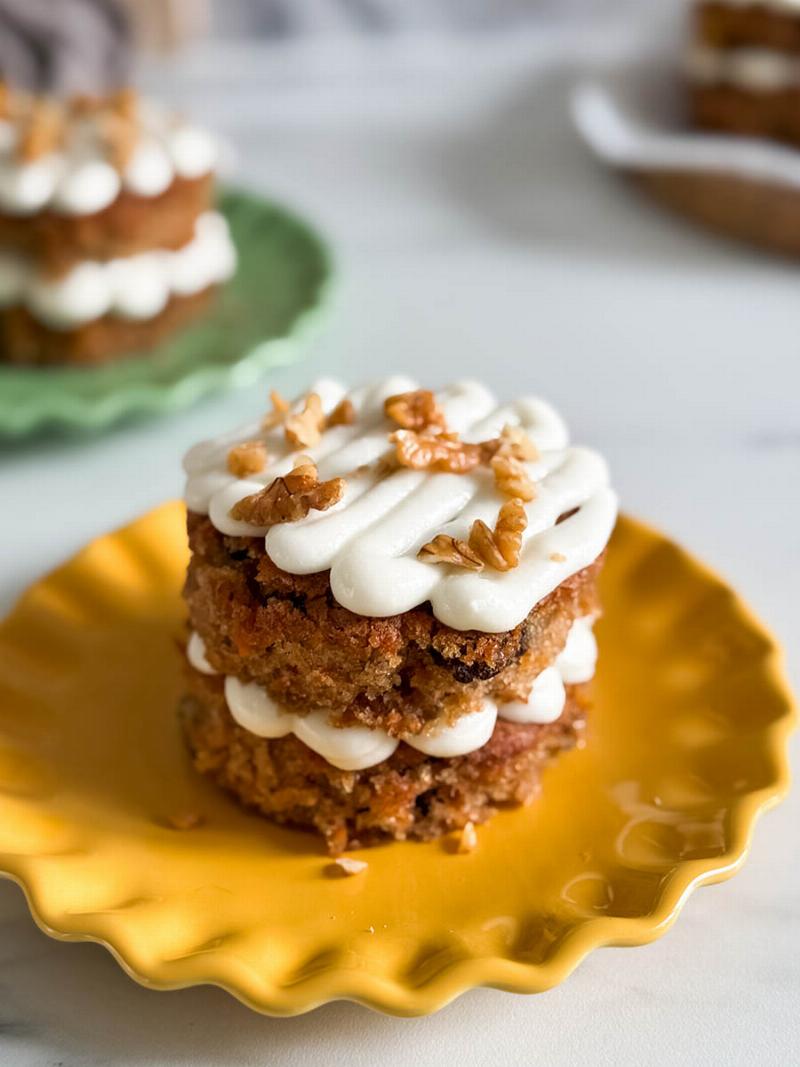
346,867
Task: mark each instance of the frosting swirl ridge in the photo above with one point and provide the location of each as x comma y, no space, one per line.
369,540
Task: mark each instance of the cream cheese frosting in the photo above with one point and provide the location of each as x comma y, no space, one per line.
354,748
133,287
370,539
753,69
79,180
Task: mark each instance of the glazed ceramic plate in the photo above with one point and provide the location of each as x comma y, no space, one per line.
685,747
262,318
634,118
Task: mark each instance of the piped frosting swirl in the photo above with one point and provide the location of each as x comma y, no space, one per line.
133,287
370,539
354,748
75,175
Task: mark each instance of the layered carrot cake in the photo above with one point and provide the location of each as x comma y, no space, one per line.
391,597
744,67
108,237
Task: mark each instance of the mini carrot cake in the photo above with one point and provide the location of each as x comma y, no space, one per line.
108,239
391,597
744,67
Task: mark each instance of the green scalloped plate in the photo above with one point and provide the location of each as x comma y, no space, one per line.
262,318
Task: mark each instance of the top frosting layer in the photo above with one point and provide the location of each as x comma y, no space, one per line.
78,176
370,539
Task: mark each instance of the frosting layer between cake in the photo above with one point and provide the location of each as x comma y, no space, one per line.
133,287
353,748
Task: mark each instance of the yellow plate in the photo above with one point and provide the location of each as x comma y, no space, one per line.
685,747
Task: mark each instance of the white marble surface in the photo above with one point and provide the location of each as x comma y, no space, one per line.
476,236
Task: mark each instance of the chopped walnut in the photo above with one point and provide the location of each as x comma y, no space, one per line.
346,867
511,477
83,104
344,414
289,498
249,457
417,410
435,452
468,838
41,133
515,442
125,103
120,137
280,409
499,548
446,549
305,428
387,464
482,543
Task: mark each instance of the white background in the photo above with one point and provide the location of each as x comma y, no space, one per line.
474,236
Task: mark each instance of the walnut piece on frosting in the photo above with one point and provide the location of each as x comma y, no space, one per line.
499,548
416,410
516,443
125,103
511,477
280,409
44,123
304,429
290,498
118,120
446,549
119,136
83,104
508,531
41,132
443,453
249,457
344,414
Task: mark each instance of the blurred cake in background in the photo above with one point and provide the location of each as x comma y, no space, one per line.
744,67
108,238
